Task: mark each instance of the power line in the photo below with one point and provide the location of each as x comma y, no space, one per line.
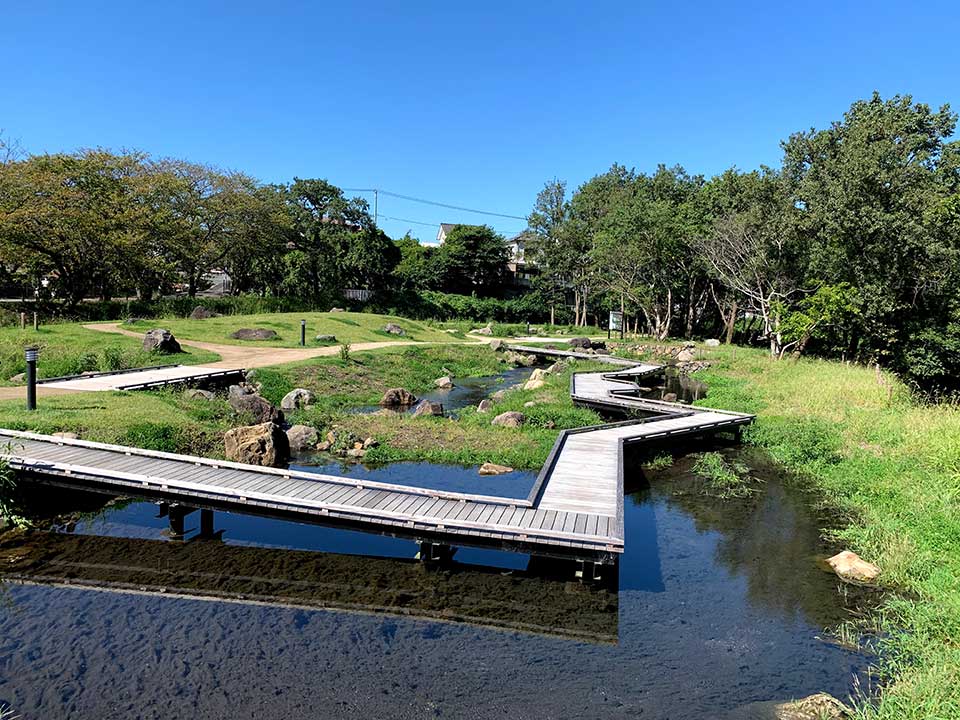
432,202
436,224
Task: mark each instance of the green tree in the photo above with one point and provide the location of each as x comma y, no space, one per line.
472,260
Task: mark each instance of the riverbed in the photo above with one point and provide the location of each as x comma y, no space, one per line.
715,606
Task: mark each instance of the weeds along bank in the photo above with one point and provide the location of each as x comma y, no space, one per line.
891,466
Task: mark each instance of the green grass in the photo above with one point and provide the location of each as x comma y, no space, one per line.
70,349
165,420
348,327
890,465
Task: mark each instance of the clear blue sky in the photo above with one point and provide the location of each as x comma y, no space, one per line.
470,106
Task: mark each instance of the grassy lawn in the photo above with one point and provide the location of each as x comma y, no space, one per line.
347,327
891,466
154,420
70,349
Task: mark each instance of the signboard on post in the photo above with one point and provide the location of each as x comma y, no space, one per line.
616,323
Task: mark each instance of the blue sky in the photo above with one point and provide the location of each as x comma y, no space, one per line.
474,106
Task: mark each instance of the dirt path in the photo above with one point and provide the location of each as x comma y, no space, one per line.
233,356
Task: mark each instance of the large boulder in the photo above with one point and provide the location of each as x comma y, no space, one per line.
326,339
337,309
19,378
712,342
533,384
254,334
852,568
425,407
538,374
820,706
515,358
582,343
394,329
498,345
296,399
264,444
397,397
685,356
511,418
244,400
302,437
486,330
485,406
160,340
489,468
201,313
444,383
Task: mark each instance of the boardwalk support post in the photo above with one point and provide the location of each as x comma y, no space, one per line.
431,552
588,571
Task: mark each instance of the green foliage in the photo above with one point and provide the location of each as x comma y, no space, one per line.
344,352
9,504
723,479
471,260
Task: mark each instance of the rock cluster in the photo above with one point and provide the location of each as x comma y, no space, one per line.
160,340
515,358
253,334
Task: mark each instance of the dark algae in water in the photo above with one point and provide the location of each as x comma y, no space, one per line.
717,606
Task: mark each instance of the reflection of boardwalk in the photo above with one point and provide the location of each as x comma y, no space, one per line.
528,601
575,507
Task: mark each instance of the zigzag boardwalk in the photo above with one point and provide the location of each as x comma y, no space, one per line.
575,508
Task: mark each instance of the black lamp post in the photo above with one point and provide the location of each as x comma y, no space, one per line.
31,354
303,333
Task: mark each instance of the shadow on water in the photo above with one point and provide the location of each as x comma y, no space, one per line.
718,606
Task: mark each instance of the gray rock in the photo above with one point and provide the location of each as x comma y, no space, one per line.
201,313
253,334
326,339
685,356
18,378
670,397
484,406
397,397
581,342
302,437
336,309
426,407
160,340
394,329
264,444
487,330
511,418
67,435
244,401
497,345
296,399
712,342
198,394
444,383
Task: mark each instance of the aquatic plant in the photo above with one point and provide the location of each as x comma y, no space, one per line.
660,462
723,479
9,505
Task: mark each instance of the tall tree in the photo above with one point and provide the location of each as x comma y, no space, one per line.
473,260
549,245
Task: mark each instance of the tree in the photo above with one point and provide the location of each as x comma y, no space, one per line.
548,244
472,260
866,189
417,268
749,246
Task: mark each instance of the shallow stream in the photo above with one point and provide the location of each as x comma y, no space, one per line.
717,606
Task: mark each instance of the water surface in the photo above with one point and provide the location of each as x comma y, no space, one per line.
717,606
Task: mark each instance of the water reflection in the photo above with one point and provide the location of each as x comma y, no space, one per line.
720,606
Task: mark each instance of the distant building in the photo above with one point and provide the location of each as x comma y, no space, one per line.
520,270
445,229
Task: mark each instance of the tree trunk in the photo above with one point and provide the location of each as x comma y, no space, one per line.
730,321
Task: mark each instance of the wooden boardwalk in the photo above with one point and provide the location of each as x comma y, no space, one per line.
574,508
576,355
144,378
